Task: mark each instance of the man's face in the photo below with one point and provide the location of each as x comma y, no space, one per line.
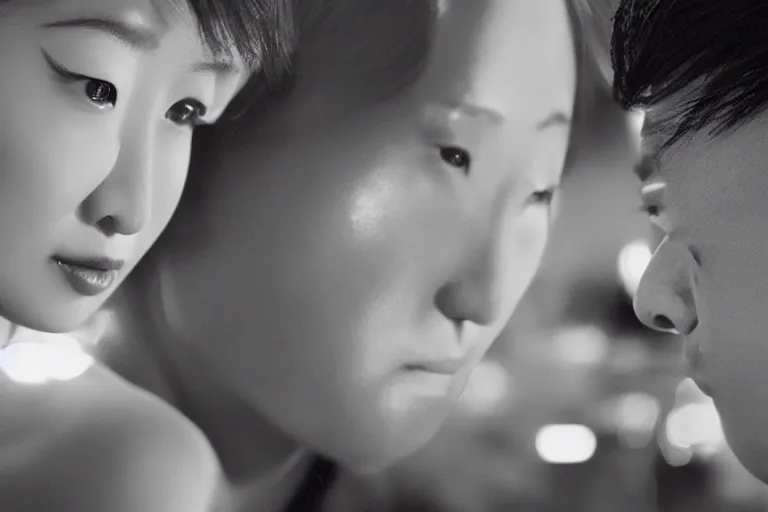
708,279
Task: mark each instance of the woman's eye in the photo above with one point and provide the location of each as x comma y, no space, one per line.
187,112
543,196
99,92
456,157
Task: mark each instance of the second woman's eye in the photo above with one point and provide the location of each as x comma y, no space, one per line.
187,112
456,157
543,196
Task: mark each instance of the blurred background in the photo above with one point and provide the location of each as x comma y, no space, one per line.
578,407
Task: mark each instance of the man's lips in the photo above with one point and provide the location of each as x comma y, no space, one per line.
693,356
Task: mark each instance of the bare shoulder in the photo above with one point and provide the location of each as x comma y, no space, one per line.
100,444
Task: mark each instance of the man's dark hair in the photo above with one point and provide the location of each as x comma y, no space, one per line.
718,47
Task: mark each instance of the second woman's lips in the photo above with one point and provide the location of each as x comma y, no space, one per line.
89,276
441,367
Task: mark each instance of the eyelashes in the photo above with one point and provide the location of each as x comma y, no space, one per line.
456,157
544,197
100,93
459,158
657,215
187,113
652,195
651,210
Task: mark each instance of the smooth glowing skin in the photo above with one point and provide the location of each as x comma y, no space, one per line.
708,276
342,250
79,180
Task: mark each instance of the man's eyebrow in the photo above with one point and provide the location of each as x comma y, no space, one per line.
133,36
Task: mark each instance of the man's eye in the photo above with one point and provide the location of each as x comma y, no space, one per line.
657,215
651,210
652,196
456,157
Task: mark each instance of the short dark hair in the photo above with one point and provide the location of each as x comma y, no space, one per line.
261,31
713,53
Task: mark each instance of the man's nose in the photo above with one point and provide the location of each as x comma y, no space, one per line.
665,299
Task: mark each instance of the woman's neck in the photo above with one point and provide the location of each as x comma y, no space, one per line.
261,465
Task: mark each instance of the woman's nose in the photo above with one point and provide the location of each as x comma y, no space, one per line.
473,292
122,203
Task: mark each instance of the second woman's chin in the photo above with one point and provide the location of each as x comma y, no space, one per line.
394,429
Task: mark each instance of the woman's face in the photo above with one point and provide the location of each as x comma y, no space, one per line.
97,104
358,266
707,279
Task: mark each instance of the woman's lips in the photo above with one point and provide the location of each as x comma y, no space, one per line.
440,367
89,276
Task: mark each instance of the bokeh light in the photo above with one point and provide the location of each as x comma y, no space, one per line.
633,260
565,444
488,387
582,344
39,358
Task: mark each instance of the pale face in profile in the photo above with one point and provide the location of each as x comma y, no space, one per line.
358,266
97,104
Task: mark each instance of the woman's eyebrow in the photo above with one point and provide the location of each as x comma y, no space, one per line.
556,118
137,37
472,111
132,35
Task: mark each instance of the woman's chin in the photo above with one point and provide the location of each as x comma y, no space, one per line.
388,445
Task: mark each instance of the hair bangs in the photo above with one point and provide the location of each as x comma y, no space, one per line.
261,32
712,54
